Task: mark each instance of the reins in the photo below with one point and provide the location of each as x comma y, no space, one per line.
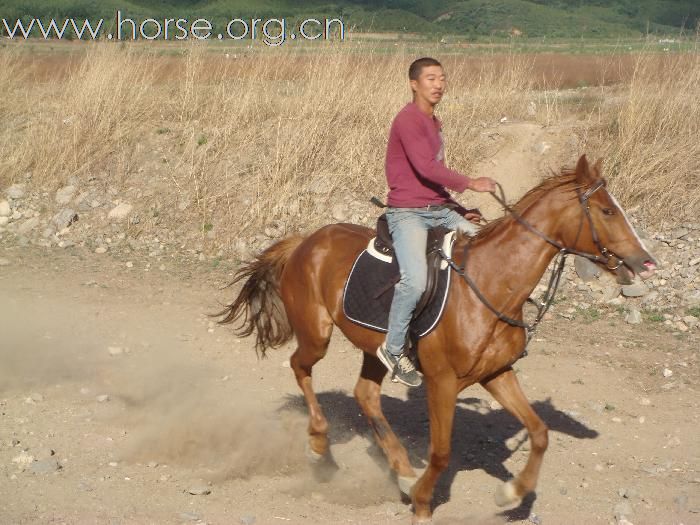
559,262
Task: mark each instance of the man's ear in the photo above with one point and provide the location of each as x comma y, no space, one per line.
414,85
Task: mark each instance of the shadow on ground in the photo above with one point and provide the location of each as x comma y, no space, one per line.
478,438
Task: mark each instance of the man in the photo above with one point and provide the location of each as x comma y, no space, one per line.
418,200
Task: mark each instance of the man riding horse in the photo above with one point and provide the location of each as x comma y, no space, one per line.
294,289
417,199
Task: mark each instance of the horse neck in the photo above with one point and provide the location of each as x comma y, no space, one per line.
514,258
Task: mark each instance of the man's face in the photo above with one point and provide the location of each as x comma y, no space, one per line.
430,85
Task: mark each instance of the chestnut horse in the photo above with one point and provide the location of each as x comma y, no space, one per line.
295,288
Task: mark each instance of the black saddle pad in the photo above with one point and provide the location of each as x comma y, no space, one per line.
369,277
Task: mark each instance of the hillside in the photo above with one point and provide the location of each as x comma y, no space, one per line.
470,18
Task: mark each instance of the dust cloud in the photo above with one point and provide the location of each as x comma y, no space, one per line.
174,407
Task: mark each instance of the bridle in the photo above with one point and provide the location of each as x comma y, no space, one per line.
606,253
605,257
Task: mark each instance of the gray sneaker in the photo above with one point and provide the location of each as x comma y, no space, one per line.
401,367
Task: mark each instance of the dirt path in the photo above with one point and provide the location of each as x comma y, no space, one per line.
189,404
521,153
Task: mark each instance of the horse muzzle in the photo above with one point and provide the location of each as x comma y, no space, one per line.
645,266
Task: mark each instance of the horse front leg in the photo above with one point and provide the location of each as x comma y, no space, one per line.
506,390
442,396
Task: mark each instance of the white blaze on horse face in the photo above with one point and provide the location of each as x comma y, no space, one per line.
629,224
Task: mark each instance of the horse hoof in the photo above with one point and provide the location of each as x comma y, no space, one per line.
506,494
406,484
312,455
421,521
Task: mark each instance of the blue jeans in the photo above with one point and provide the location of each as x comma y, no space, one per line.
409,231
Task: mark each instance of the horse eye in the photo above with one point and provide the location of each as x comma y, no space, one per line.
608,211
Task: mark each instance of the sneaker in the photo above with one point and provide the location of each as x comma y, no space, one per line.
401,367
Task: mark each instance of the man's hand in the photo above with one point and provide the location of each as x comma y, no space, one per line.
473,217
483,184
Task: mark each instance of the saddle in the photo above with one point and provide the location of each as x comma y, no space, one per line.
436,240
369,289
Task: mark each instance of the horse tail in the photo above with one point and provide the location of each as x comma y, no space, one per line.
259,305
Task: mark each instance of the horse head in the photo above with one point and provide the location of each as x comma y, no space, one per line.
604,229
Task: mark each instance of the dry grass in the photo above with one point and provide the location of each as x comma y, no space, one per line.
273,137
652,148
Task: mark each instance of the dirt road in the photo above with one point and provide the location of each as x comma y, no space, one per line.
117,370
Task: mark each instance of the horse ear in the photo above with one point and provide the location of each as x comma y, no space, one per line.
598,168
583,171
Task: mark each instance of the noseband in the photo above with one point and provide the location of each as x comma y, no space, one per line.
605,257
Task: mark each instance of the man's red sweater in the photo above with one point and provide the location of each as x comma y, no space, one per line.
415,166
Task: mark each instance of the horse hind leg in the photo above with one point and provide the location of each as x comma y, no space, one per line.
506,390
312,340
367,394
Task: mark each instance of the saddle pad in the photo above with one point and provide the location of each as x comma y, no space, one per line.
368,277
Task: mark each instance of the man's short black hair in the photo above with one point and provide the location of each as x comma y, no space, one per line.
417,66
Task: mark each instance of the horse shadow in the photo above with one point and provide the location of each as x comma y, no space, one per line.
479,434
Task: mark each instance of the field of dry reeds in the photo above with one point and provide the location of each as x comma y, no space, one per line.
245,138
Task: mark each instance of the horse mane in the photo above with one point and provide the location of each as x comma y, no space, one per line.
567,177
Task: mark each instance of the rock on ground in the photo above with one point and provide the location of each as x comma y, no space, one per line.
64,218
120,212
637,289
634,316
28,225
65,194
16,191
45,466
586,269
